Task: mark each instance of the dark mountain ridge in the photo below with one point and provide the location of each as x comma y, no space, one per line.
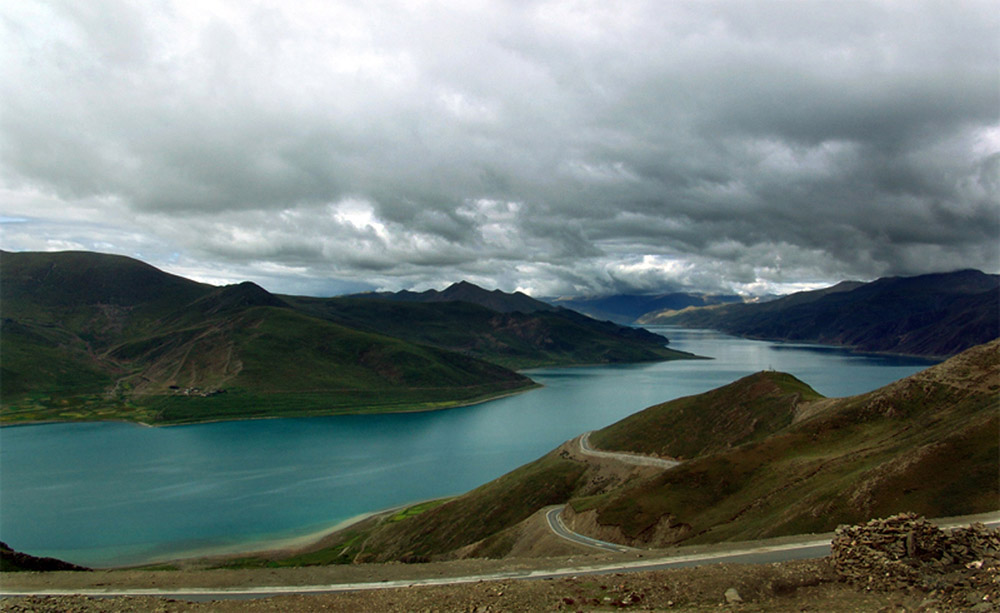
464,291
514,338
933,315
95,336
81,277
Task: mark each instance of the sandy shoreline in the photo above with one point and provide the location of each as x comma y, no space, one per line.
248,547
288,544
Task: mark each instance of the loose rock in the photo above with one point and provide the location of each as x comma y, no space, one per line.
733,596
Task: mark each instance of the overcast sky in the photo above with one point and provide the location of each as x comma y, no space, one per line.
560,148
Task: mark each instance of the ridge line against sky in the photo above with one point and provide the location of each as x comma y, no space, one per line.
557,148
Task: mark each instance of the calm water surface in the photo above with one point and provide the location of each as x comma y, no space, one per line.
104,494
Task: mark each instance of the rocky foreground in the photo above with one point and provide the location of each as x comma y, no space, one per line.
901,563
957,570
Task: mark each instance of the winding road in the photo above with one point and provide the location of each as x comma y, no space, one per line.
553,516
812,546
628,458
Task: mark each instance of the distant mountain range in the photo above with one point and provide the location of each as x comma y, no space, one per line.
463,291
94,336
764,456
514,330
628,308
929,315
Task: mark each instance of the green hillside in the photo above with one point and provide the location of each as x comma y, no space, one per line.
94,336
76,345
747,410
927,444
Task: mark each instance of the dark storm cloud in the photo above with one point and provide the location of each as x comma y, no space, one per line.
558,147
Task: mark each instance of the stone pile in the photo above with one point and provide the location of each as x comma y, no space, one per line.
906,551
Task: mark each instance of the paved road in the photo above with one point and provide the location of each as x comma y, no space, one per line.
754,555
764,554
627,458
554,515
554,518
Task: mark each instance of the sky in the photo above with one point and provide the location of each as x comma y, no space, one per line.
559,148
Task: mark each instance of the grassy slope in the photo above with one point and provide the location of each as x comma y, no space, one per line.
76,345
922,444
291,364
275,361
483,512
746,410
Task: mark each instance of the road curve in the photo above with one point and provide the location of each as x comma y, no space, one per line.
554,515
627,458
554,518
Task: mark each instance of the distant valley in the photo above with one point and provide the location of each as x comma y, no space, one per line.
93,336
629,308
935,315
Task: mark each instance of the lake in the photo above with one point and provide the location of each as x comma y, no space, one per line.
108,494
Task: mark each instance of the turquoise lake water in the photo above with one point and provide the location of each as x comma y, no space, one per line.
108,494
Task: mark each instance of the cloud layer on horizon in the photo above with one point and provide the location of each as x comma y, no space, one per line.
554,147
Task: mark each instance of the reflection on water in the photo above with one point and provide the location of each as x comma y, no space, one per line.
110,494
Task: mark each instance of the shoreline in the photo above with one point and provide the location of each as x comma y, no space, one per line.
853,349
284,545
245,548
459,405
681,355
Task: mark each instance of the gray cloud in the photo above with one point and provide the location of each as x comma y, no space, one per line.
559,147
